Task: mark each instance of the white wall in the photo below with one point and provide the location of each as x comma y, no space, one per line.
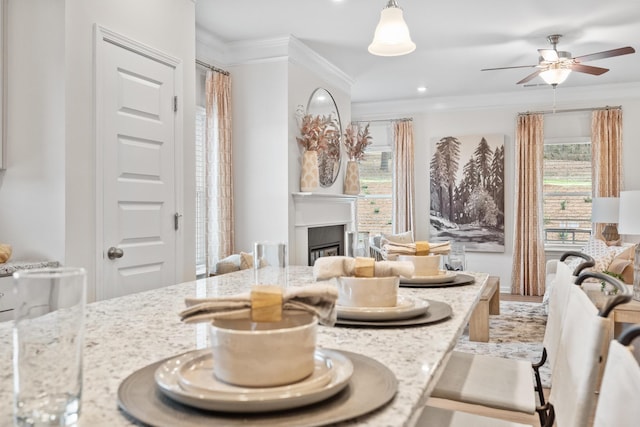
260,150
32,192
432,120
47,193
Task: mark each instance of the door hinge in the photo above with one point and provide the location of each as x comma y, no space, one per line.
175,104
176,220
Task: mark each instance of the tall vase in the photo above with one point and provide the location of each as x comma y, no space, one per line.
352,178
309,177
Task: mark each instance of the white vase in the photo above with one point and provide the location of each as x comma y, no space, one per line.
352,178
309,177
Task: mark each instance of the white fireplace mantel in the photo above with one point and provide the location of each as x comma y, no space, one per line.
317,210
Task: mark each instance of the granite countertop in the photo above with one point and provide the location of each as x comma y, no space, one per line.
8,268
127,333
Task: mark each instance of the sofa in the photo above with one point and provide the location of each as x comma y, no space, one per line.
618,260
233,263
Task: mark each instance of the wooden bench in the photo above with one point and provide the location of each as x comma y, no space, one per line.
489,304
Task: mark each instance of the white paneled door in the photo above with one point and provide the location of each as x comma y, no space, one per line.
139,225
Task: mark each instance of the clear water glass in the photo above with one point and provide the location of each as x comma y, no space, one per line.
356,244
455,260
270,263
48,337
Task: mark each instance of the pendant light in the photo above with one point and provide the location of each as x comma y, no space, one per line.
392,34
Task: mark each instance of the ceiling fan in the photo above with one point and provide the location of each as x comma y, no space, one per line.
554,66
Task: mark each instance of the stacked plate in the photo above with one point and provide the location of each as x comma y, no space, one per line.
189,379
441,279
408,311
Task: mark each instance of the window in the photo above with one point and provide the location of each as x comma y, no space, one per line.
567,192
375,210
201,214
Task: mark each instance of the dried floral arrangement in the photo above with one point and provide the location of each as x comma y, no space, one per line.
318,132
356,140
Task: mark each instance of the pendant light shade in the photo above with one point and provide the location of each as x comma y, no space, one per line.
392,36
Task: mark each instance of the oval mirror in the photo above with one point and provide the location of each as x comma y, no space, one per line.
321,103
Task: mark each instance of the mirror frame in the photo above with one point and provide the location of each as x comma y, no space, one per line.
328,107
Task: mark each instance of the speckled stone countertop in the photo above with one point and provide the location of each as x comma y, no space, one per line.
7,269
127,333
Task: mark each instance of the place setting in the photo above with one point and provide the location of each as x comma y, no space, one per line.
263,366
368,293
428,274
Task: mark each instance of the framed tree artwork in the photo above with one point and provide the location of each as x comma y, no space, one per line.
467,191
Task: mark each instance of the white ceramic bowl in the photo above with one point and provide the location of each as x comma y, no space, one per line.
264,354
424,265
368,291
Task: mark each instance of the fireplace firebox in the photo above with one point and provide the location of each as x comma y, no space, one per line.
325,241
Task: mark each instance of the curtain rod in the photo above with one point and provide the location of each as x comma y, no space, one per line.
402,119
572,110
211,67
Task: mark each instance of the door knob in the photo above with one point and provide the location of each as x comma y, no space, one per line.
114,253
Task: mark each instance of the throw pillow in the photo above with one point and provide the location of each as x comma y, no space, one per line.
617,266
600,252
246,260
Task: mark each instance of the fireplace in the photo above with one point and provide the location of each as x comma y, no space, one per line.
325,241
313,210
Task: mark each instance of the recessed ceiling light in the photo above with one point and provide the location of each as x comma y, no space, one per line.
422,89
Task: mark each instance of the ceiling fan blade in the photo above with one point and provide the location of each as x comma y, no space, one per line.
550,55
581,68
530,77
605,54
507,68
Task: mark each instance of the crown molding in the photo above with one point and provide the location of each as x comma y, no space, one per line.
532,100
301,54
211,48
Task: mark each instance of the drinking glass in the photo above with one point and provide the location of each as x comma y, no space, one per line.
456,258
356,244
48,340
270,264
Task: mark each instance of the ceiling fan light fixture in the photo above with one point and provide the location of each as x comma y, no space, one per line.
555,75
391,37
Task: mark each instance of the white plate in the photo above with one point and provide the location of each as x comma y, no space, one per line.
443,276
405,308
196,375
167,378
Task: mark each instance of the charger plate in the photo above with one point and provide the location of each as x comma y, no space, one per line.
371,386
417,282
437,311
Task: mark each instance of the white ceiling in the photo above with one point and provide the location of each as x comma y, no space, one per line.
454,38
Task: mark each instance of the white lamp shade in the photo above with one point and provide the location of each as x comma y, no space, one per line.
605,210
629,222
555,75
392,36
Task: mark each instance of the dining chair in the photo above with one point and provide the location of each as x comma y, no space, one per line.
503,383
620,384
495,385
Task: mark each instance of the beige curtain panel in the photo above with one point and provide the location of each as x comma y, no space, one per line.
528,253
403,182
219,217
606,153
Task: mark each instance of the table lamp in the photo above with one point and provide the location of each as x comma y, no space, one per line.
605,210
630,224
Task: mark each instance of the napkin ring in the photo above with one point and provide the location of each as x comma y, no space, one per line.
422,248
365,267
266,303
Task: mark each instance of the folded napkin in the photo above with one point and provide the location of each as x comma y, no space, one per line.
337,266
318,300
393,249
